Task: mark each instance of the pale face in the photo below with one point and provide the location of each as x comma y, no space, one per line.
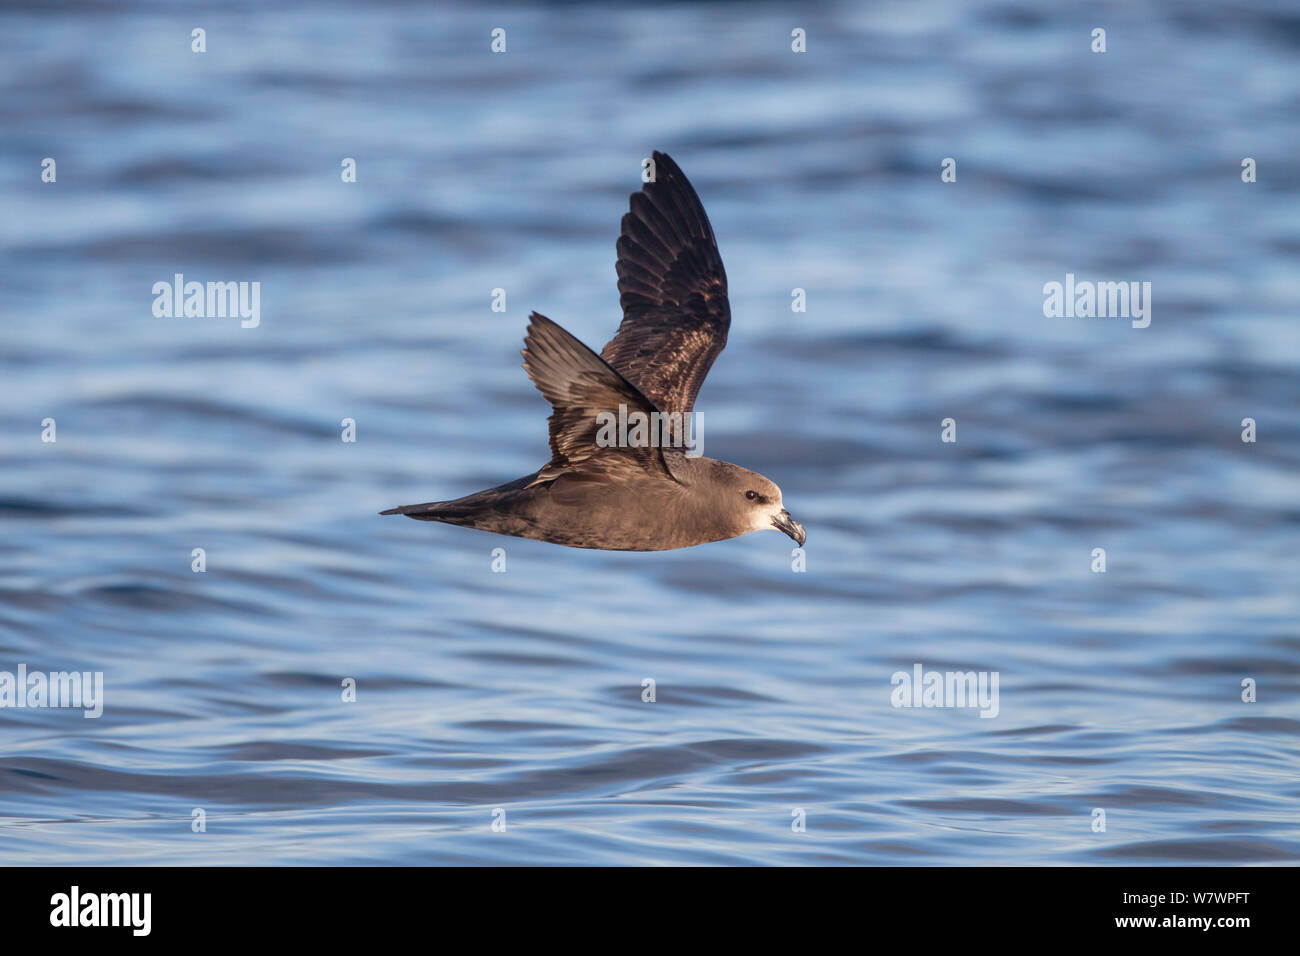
756,503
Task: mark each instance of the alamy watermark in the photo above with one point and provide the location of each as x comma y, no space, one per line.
80,689
922,688
130,910
213,300
1085,299
638,429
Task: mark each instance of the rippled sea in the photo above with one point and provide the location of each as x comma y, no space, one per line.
521,691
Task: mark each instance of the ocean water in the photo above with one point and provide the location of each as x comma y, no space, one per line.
521,692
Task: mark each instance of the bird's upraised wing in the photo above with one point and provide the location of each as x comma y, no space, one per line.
673,291
580,385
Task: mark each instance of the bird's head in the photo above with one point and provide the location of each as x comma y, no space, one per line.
752,502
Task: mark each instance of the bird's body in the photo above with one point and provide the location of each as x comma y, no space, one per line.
640,495
580,512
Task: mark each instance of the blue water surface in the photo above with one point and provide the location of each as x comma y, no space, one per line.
522,691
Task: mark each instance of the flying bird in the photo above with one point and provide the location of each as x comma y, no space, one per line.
633,495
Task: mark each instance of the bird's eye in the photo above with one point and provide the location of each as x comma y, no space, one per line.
751,495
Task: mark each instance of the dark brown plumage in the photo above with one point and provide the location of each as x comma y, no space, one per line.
673,291
635,497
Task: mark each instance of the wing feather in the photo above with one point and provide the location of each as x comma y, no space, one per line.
580,385
673,291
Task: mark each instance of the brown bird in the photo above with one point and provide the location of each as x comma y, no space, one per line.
635,493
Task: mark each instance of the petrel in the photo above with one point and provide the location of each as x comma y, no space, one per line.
638,495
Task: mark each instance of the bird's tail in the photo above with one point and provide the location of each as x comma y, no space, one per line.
430,511
483,509
479,510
